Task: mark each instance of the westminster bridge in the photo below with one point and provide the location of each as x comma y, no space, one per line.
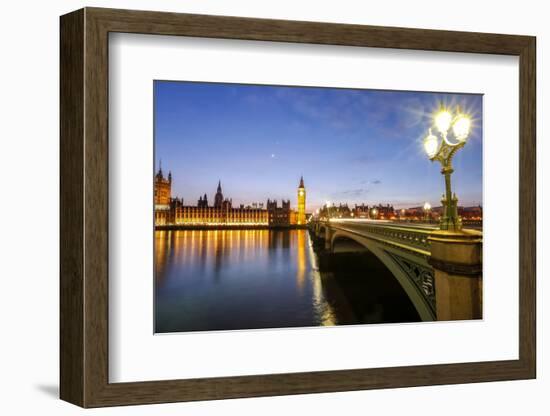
440,271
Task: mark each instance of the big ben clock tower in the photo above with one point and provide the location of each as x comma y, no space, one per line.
301,220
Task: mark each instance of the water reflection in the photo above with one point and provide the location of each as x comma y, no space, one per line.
245,279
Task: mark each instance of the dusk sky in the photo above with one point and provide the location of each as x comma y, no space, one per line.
350,145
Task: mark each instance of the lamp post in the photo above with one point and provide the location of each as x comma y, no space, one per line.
427,208
443,149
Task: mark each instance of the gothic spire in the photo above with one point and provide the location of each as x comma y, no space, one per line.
159,175
301,182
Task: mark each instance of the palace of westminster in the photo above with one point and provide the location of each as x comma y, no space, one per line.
173,212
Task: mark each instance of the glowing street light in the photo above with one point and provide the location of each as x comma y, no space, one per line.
374,213
427,209
443,151
328,204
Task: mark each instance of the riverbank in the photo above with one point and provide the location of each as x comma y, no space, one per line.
175,227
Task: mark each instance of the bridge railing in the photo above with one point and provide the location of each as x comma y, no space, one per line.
411,237
466,223
405,236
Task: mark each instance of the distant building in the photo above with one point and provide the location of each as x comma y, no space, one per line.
361,211
163,192
358,211
203,202
416,213
221,213
336,211
473,213
279,216
173,211
382,212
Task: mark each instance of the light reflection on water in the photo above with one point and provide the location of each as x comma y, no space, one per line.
237,279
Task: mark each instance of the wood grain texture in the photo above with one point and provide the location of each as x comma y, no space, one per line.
527,207
84,205
71,213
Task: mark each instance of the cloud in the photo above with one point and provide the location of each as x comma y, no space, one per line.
371,182
351,192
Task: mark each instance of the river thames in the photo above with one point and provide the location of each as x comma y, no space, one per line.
266,278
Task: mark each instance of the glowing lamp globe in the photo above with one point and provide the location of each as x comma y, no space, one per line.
443,121
461,127
431,145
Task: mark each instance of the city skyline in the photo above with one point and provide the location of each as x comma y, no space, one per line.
263,203
351,146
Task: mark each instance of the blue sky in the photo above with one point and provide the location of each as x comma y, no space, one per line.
350,145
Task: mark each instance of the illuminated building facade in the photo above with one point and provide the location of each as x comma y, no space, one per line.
358,211
335,211
382,212
163,197
173,212
473,213
279,216
224,215
361,211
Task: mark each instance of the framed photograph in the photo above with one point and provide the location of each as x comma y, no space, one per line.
255,207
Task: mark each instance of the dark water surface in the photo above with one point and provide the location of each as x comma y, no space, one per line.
249,279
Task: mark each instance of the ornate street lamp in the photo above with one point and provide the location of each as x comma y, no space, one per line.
443,151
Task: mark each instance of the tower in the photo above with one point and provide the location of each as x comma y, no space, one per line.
163,189
301,220
218,199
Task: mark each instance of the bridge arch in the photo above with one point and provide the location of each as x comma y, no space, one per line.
345,244
341,241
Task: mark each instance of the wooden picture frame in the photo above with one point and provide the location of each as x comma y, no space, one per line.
84,207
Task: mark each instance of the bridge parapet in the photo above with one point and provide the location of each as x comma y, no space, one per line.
417,238
414,239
